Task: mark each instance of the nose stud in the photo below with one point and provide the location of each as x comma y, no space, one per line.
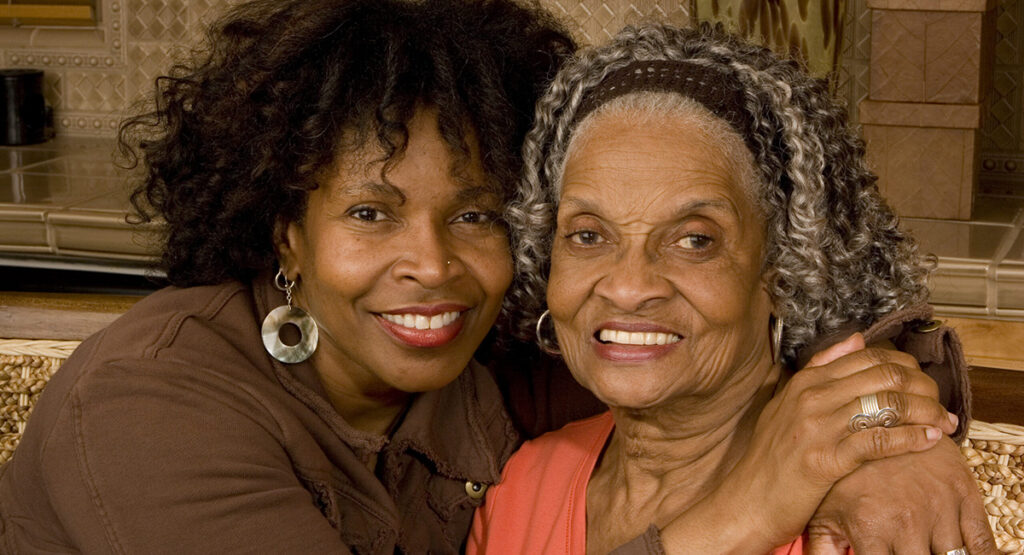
447,262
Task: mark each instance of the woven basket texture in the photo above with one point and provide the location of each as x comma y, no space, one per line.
994,452
25,368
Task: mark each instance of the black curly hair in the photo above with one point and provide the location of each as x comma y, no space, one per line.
237,134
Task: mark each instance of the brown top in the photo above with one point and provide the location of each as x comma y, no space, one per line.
173,431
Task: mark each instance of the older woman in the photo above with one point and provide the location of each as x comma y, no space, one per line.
707,212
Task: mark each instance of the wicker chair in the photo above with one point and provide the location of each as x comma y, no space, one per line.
994,452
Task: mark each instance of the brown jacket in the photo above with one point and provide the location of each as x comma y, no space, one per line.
173,431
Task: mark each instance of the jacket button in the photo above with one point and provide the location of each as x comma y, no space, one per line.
929,326
476,490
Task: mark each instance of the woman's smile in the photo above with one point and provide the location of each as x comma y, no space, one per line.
633,341
424,326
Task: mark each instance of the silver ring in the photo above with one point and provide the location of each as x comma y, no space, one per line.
871,416
958,551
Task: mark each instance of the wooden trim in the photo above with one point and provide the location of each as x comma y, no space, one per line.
41,11
58,316
991,343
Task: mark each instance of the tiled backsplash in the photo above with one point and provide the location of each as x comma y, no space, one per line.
66,200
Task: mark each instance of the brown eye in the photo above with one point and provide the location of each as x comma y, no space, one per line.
695,241
476,217
367,214
586,237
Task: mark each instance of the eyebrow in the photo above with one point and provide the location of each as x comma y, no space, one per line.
384,189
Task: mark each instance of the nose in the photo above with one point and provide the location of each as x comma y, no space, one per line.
634,281
427,256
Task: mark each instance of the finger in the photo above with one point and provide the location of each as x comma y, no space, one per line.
974,526
885,377
879,443
908,409
849,345
858,361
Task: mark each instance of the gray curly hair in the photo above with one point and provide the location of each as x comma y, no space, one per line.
833,253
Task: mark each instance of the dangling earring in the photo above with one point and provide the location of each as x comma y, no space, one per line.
288,314
548,346
775,334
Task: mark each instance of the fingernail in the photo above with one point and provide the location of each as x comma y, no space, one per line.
932,433
953,420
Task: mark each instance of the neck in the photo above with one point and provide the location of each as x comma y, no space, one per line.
661,461
366,405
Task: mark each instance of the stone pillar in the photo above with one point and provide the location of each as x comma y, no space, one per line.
930,61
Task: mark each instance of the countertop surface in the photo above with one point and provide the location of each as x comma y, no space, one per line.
64,203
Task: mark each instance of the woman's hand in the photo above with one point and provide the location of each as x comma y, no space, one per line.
802,445
915,503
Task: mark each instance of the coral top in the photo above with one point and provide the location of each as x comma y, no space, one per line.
540,505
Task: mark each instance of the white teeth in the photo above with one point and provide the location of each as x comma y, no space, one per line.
421,322
637,338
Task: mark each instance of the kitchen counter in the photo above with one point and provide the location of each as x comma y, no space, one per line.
63,205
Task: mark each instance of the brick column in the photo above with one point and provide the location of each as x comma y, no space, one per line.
930,62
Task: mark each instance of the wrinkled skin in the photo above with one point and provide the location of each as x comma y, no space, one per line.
935,503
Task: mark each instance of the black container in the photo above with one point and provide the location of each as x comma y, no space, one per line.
24,116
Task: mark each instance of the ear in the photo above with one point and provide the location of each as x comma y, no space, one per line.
290,246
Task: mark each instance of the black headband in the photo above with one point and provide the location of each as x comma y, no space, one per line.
719,92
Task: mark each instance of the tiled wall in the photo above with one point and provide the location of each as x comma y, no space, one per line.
93,77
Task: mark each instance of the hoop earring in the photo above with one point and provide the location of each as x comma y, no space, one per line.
548,346
775,327
288,314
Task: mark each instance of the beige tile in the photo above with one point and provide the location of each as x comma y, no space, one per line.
960,283
16,158
95,91
157,20
23,229
50,191
924,172
81,166
923,56
897,56
953,58
1010,285
919,114
99,233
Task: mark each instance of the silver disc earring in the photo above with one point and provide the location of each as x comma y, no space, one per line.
775,334
549,346
284,315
